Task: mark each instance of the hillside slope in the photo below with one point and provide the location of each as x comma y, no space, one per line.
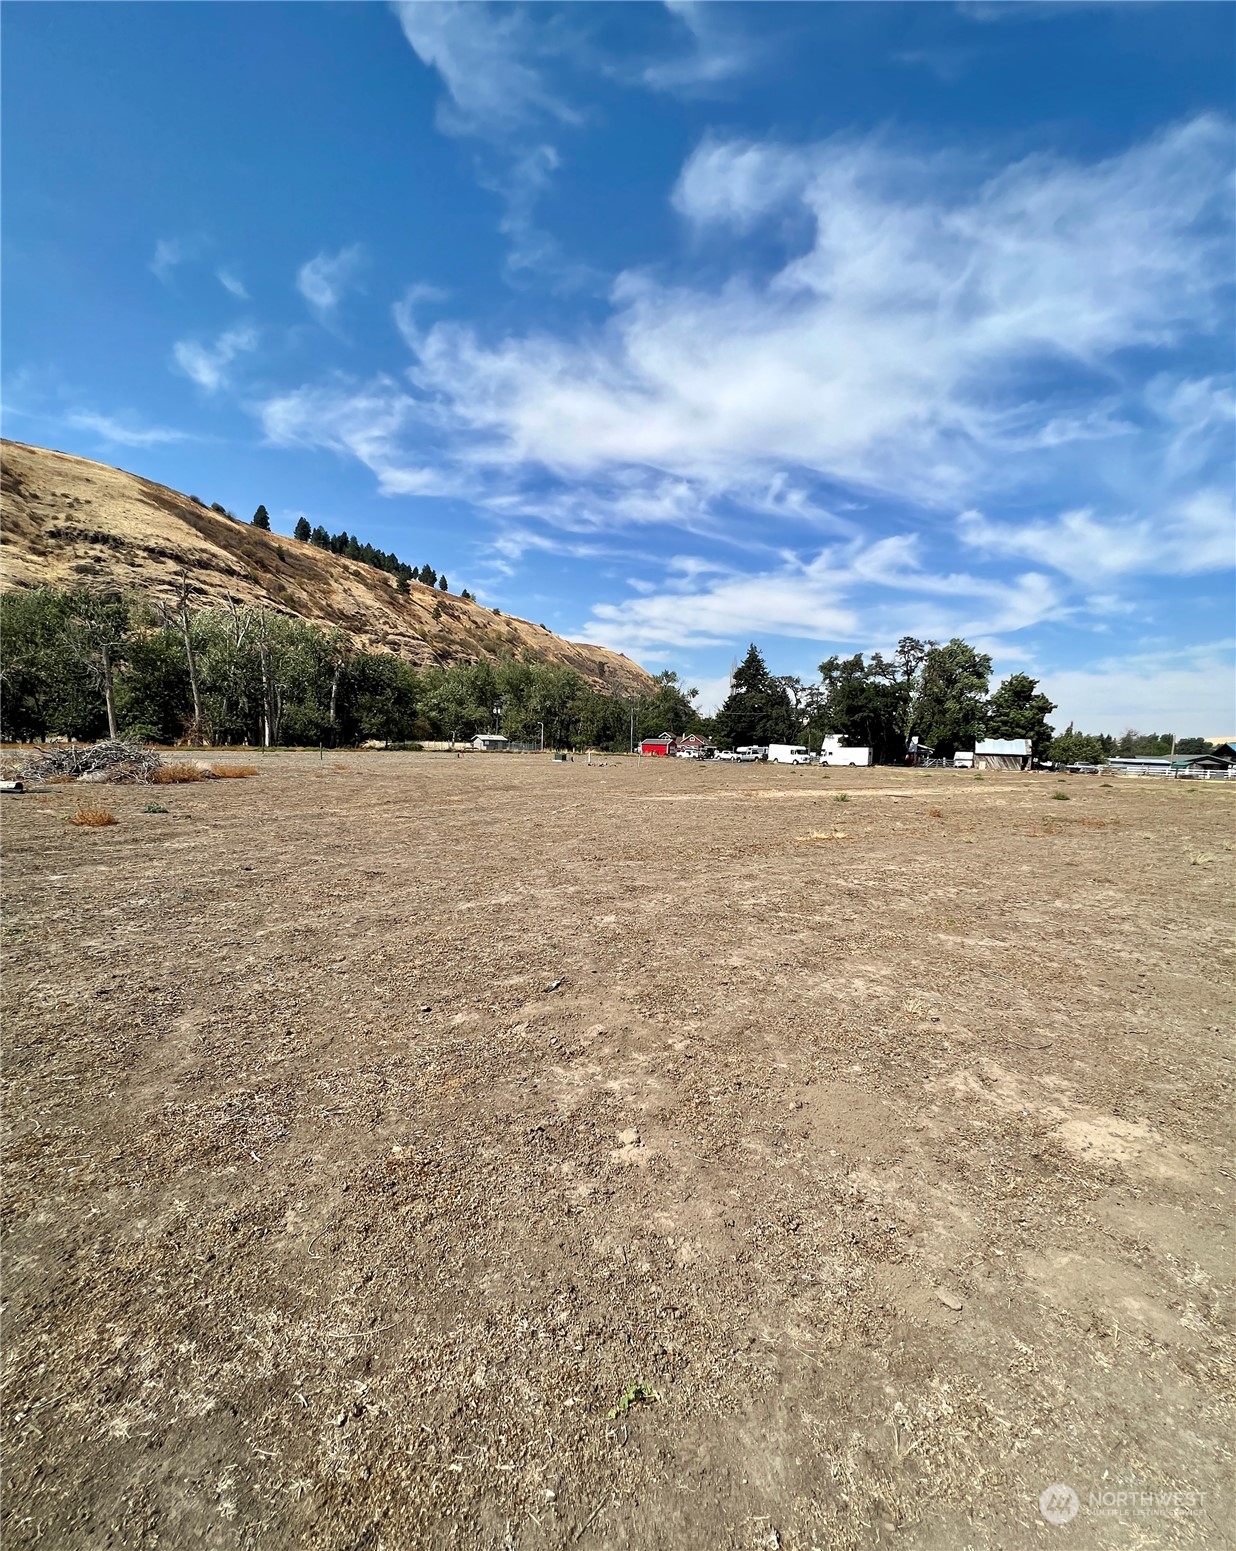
68,522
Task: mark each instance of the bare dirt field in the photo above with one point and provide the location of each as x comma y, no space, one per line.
377,1124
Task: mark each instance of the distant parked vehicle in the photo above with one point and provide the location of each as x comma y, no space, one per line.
832,753
750,755
726,754
788,754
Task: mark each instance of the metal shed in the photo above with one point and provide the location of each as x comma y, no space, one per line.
1002,754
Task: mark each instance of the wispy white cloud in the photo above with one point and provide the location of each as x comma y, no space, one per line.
368,422
901,352
852,593
521,186
324,280
488,61
207,364
492,63
124,433
232,283
167,254
1198,535
718,49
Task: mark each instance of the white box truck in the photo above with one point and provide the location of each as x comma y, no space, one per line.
832,753
788,754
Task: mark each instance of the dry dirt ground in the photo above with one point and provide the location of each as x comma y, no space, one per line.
376,1124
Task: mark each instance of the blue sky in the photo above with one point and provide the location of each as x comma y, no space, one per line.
672,326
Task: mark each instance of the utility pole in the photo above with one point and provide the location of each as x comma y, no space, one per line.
541,725
633,727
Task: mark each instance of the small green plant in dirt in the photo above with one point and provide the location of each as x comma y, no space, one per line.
980,778
1060,796
637,1394
154,807
842,797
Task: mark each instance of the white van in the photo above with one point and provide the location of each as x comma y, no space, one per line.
788,754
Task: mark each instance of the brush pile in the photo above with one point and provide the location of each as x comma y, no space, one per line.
115,761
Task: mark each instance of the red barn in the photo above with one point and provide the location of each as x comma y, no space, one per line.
665,744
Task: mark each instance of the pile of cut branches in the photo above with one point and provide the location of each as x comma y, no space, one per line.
115,761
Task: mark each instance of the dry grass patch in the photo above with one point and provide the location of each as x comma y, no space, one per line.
234,772
176,775
93,818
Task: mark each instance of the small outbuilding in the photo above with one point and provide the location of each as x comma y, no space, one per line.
1141,764
664,745
490,741
1002,754
1219,765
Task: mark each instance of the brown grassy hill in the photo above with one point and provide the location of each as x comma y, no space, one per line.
68,522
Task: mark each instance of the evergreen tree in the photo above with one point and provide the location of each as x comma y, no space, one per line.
466,595
1018,710
442,587
758,710
261,519
320,538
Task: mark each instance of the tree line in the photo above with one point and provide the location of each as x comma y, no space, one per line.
83,666
1083,748
350,548
937,693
